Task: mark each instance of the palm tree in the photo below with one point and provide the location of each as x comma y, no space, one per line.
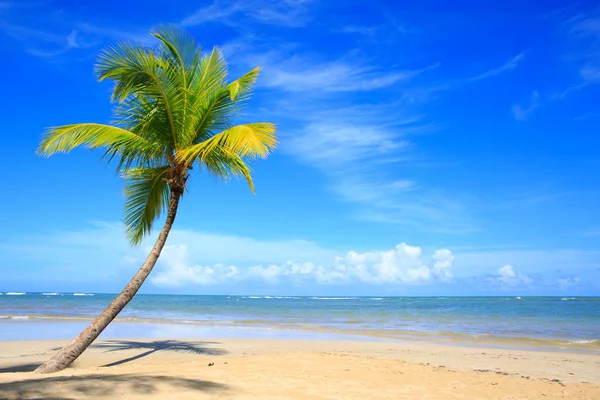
175,110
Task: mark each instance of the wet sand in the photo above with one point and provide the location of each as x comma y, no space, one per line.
296,369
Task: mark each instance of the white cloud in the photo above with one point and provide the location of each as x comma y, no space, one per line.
333,144
290,69
521,113
362,30
582,41
442,266
401,265
174,270
216,248
194,262
288,13
507,276
360,158
591,232
304,75
568,282
217,11
590,74
509,65
61,40
359,146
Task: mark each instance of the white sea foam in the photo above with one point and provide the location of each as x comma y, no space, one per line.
19,317
375,298
584,341
334,298
568,298
83,294
50,294
15,293
269,297
518,297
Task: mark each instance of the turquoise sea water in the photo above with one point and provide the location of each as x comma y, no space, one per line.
544,321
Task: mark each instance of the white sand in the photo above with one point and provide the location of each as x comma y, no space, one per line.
280,369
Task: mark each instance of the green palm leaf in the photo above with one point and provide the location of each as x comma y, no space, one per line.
252,140
129,146
224,164
146,196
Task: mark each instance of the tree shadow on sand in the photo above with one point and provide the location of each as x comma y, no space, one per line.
103,386
152,347
19,368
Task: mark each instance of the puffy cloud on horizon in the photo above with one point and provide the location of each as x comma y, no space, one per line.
507,276
175,271
202,262
401,265
568,282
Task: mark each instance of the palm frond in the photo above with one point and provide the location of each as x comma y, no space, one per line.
138,71
117,141
145,117
219,106
240,88
179,50
146,196
225,164
179,46
248,140
208,100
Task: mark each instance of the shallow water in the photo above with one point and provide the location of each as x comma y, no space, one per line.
539,321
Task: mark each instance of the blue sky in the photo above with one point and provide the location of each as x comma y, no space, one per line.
426,148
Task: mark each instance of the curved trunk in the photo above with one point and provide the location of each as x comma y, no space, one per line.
69,353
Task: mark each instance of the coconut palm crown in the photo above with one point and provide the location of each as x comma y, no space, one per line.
175,111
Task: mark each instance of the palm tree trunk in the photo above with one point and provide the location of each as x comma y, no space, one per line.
69,353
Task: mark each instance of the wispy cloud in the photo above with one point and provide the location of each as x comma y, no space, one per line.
70,37
42,43
583,36
582,40
362,159
298,75
288,13
361,146
521,112
509,65
218,11
291,70
387,30
593,232
358,29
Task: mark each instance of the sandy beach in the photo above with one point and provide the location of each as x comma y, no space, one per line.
288,369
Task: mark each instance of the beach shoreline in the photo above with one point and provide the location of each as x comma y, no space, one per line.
296,369
53,328
195,347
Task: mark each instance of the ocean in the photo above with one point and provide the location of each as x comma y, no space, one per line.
553,322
